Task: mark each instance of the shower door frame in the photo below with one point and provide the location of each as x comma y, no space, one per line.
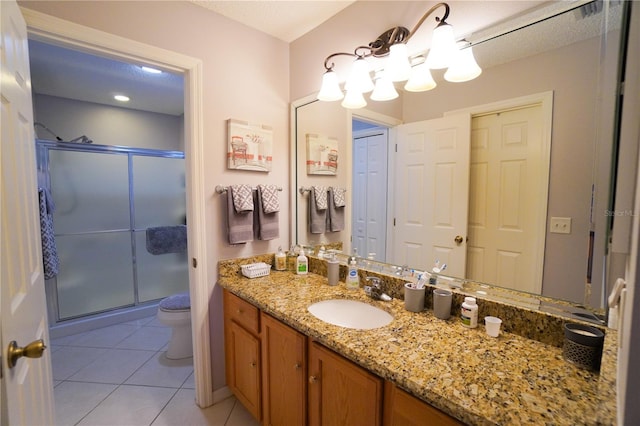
43,147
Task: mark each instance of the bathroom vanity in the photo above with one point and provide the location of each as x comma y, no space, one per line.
282,361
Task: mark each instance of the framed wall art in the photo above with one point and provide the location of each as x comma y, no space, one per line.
322,155
249,146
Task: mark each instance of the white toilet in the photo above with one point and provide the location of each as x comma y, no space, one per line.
175,312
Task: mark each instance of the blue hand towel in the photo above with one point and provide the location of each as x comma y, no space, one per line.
167,239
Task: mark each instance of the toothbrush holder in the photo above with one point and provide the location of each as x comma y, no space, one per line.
413,298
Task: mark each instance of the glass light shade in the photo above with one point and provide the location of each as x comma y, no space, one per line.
354,100
384,90
421,79
443,47
330,90
464,66
360,77
398,67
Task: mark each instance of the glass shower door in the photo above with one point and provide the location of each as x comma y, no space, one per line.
92,224
159,200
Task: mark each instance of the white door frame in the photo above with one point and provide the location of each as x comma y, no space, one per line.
390,123
545,99
54,30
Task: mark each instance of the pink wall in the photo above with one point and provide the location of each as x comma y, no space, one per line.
245,76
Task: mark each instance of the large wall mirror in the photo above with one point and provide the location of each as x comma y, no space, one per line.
550,86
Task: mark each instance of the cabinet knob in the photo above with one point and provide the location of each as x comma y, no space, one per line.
297,366
239,311
253,364
313,379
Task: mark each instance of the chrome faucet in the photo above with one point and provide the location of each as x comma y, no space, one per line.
374,290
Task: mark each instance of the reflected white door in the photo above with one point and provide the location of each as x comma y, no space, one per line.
369,196
28,385
505,246
432,192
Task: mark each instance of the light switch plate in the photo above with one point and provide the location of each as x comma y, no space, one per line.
560,225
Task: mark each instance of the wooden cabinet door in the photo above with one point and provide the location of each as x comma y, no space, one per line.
284,374
242,351
341,392
404,409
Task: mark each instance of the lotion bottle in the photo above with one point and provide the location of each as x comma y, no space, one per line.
281,260
469,312
352,281
302,264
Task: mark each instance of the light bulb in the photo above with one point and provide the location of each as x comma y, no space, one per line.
359,77
384,90
464,66
398,67
354,100
421,79
330,90
443,47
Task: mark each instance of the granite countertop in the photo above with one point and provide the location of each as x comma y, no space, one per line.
478,379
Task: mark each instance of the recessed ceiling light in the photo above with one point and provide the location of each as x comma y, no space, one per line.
151,70
121,98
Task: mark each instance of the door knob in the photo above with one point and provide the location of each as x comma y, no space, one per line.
458,239
32,350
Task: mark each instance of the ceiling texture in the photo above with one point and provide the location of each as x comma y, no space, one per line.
66,73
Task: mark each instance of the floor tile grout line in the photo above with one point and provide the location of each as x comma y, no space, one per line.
98,404
164,406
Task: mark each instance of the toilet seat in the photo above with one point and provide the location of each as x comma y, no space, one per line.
177,303
175,312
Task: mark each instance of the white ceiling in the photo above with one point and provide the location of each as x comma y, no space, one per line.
61,72
286,20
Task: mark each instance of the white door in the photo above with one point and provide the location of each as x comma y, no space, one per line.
369,196
432,192
27,387
507,165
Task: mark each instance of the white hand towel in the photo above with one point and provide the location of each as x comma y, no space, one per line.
320,196
269,196
339,199
242,198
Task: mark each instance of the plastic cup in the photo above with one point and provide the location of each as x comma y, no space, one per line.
492,325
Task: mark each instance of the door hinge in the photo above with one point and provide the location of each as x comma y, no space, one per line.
394,221
194,262
396,147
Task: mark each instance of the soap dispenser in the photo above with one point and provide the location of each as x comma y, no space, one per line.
302,264
333,269
352,281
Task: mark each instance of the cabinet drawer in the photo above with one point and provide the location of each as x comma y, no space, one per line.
242,312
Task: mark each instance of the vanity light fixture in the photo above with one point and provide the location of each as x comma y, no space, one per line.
444,53
121,98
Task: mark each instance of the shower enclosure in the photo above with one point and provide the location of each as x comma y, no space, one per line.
105,198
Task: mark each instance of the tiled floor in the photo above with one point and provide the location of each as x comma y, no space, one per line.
119,376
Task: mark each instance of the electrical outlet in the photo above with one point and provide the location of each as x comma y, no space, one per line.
560,225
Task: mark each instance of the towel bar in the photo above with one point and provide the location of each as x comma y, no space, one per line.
222,189
304,189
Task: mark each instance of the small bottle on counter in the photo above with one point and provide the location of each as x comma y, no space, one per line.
302,264
280,260
333,269
352,281
292,258
469,312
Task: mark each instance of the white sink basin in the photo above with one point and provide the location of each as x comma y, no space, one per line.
350,314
